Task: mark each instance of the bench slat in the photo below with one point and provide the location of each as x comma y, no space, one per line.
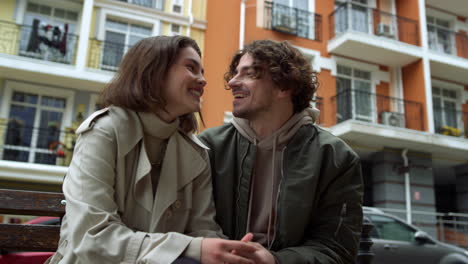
20,237
31,203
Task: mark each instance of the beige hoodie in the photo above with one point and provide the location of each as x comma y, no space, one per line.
267,172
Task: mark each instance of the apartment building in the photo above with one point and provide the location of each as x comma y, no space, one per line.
55,57
393,84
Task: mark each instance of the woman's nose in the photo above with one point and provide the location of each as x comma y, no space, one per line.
202,81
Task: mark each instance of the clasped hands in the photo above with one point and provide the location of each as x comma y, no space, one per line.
216,251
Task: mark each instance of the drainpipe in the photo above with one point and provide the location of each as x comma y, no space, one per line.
242,24
407,186
190,18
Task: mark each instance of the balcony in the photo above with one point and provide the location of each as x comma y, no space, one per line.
106,55
293,21
451,122
371,122
40,145
373,35
38,42
155,4
375,108
444,42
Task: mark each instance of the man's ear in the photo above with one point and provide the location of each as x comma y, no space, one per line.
284,92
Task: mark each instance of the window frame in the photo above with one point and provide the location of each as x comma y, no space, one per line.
457,100
41,90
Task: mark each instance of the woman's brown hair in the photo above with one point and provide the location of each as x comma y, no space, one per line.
138,83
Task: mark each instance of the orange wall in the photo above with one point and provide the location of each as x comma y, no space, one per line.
221,41
407,31
414,90
326,90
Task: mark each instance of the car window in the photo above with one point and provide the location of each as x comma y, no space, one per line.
391,229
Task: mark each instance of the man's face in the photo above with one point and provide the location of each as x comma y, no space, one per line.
253,98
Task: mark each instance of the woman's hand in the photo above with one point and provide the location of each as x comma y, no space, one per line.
216,250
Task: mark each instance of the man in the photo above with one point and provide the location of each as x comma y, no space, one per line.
296,187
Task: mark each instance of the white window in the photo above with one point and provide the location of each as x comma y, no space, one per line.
119,37
48,33
354,99
439,35
177,6
354,15
445,106
36,119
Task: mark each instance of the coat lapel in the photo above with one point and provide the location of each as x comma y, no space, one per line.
182,163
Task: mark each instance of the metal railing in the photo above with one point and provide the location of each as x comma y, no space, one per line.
294,21
448,42
375,108
106,55
451,122
41,145
353,17
155,4
450,227
38,42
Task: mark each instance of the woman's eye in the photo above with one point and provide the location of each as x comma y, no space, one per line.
191,68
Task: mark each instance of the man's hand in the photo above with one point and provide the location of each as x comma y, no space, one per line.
262,255
216,250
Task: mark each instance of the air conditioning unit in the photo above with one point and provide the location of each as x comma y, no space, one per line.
393,119
385,30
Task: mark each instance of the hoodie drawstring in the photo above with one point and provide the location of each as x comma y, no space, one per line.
273,181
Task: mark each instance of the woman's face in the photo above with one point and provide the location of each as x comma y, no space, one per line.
183,86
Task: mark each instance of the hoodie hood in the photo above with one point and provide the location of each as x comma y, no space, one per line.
282,135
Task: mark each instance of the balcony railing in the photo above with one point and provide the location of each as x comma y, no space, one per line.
375,108
357,18
106,55
448,42
451,122
156,4
41,145
293,21
38,42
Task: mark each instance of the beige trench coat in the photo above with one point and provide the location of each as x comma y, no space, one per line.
111,215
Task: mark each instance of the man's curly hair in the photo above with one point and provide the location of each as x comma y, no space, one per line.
288,68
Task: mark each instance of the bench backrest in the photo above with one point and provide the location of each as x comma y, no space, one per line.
27,237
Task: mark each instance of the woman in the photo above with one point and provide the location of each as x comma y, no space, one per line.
139,179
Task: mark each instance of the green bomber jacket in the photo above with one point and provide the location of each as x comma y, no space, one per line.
319,203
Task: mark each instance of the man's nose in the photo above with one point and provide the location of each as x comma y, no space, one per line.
234,82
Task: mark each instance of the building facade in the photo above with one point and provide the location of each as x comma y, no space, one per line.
393,80
55,57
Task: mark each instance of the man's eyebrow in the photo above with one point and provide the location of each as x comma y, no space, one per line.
245,68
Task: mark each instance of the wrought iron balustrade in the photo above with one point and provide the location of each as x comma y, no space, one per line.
356,18
155,4
294,21
450,122
43,42
106,55
375,108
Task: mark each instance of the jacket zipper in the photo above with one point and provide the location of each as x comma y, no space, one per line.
280,185
238,192
342,215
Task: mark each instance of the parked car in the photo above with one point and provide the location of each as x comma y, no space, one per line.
30,257
398,242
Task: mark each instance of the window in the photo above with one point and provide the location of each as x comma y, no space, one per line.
158,4
48,33
439,35
175,30
119,37
391,229
293,16
354,94
353,15
177,6
445,107
34,127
